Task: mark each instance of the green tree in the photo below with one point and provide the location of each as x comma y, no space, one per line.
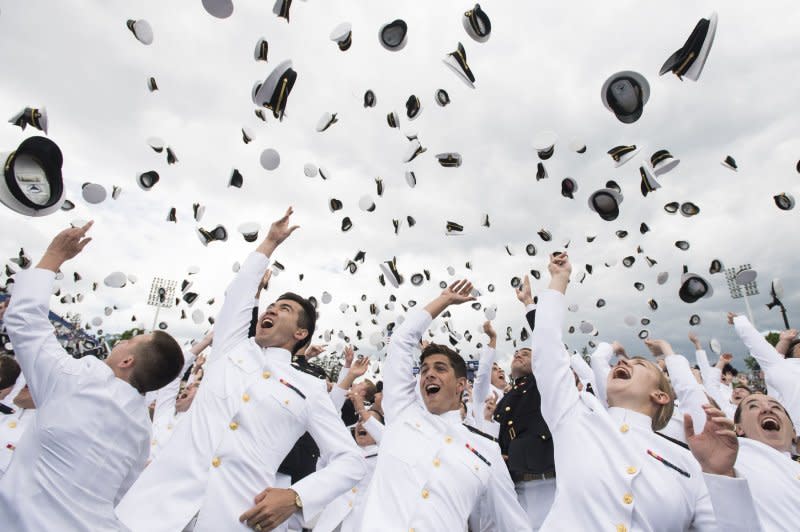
772,338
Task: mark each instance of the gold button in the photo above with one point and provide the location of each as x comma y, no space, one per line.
354,490
436,462
631,470
12,424
286,402
233,425
266,374
622,528
216,461
624,428
350,504
508,409
448,439
245,397
628,498
543,436
425,494
416,425
510,422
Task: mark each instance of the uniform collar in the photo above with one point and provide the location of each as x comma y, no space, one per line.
278,354
452,417
631,417
522,381
369,449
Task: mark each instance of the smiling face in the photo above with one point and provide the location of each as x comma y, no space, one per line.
498,377
762,418
279,325
738,394
184,400
521,363
638,384
440,388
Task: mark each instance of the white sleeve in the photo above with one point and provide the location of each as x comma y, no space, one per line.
46,365
502,499
167,396
375,429
233,320
483,378
726,506
601,366
550,360
338,395
398,378
690,393
582,370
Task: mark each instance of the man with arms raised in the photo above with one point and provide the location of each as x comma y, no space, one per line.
251,409
432,470
90,439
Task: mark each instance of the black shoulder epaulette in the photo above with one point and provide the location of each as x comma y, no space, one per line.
673,440
480,433
371,455
796,457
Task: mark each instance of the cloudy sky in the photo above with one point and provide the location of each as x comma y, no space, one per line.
542,69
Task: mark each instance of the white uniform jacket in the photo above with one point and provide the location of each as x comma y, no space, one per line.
165,418
248,413
348,509
781,375
432,470
12,426
607,479
91,435
712,383
482,389
775,481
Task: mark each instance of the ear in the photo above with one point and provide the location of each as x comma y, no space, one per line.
739,430
659,397
461,384
128,362
300,334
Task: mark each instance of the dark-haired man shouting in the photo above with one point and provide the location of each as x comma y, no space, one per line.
219,467
432,470
90,439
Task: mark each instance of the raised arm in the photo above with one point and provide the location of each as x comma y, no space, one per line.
483,377
766,355
233,321
601,366
550,360
690,393
44,362
785,340
582,370
398,379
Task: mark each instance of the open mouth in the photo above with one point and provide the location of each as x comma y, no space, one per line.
770,424
621,372
267,323
361,433
432,389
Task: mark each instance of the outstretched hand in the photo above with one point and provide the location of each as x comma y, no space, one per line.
659,347
457,293
65,245
717,446
560,269
523,291
279,231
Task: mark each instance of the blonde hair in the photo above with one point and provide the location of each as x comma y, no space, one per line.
663,412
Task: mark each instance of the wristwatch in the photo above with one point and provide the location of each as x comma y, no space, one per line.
297,501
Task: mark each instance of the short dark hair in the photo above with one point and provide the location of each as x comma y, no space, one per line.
456,361
9,371
727,368
158,362
737,416
307,319
794,343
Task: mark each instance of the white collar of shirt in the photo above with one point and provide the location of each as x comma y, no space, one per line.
278,354
631,417
369,449
453,417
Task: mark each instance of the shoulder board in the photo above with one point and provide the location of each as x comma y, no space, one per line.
673,440
796,457
479,433
371,455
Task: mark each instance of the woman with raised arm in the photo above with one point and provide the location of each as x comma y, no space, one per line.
614,471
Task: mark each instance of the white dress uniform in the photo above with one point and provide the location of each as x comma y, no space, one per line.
91,435
608,478
775,481
582,370
712,382
250,410
600,360
482,389
345,513
781,375
691,395
12,426
165,418
432,470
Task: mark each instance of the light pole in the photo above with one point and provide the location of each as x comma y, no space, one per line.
776,291
162,294
742,283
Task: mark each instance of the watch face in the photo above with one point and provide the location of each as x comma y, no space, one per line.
31,178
